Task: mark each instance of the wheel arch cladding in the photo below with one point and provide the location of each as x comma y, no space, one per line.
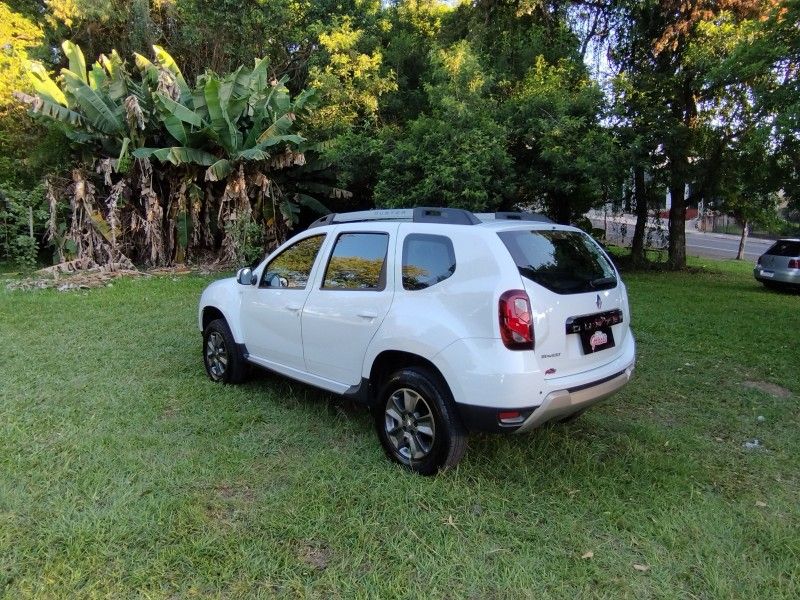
389,361
212,313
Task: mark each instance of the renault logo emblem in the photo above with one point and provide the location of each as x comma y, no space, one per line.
599,302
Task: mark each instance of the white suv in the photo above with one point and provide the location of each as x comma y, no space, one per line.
441,321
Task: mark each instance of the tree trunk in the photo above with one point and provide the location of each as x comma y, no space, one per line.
677,212
637,246
677,226
684,110
743,240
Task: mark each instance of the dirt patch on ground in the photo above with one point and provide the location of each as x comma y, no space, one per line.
76,275
170,413
768,388
316,556
64,282
234,492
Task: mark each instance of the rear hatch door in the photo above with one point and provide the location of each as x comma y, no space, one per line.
578,303
778,256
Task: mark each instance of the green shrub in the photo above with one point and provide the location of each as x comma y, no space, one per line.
18,207
24,251
248,239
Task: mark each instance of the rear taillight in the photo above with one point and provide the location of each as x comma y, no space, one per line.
794,263
516,323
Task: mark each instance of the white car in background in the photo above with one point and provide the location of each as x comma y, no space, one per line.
441,321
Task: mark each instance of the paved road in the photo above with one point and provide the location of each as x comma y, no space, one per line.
706,245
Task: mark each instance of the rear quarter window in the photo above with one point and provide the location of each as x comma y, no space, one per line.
427,260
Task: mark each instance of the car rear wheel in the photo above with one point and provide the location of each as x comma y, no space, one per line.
223,360
417,422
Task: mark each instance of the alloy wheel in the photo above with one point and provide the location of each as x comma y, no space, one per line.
216,355
409,424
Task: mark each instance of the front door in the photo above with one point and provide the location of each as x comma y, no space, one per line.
271,312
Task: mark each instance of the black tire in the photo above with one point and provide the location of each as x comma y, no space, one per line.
431,409
222,358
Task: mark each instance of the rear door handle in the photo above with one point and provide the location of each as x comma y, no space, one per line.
368,314
293,307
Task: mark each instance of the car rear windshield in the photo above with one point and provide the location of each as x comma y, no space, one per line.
784,248
565,262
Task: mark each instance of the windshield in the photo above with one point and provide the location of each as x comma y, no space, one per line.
565,262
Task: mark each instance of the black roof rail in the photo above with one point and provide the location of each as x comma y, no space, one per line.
450,216
522,216
420,214
326,220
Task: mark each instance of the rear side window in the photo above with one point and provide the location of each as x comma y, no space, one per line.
358,262
565,262
427,260
784,248
291,268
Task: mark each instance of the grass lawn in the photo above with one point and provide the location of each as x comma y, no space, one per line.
125,472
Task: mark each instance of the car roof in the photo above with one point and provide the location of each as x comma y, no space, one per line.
444,216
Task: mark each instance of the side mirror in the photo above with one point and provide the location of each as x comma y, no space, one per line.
246,276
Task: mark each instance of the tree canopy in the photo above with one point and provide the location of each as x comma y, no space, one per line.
485,105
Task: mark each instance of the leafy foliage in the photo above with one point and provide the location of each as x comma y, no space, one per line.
477,104
19,211
231,129
456,155
566,161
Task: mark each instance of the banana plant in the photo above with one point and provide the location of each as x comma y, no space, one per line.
237,129
239,118
105,106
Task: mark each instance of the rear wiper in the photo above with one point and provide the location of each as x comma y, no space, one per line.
601,281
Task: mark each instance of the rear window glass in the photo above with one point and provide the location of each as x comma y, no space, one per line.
427,260
565,262
785,248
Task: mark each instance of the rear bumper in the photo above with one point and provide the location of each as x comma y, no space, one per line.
556,405
562,403
790,276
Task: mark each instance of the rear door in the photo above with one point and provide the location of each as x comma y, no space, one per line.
349,301
577,300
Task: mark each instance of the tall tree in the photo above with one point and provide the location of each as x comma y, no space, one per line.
455,154
653,43
563,154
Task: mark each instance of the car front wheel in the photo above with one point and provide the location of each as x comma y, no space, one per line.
417,422
222,358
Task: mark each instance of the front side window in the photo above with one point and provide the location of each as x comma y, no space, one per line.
357,262
292,267
427,260
565,262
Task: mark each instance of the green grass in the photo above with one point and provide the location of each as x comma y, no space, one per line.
125,472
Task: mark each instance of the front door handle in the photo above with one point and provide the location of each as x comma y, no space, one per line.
368,314
293,307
